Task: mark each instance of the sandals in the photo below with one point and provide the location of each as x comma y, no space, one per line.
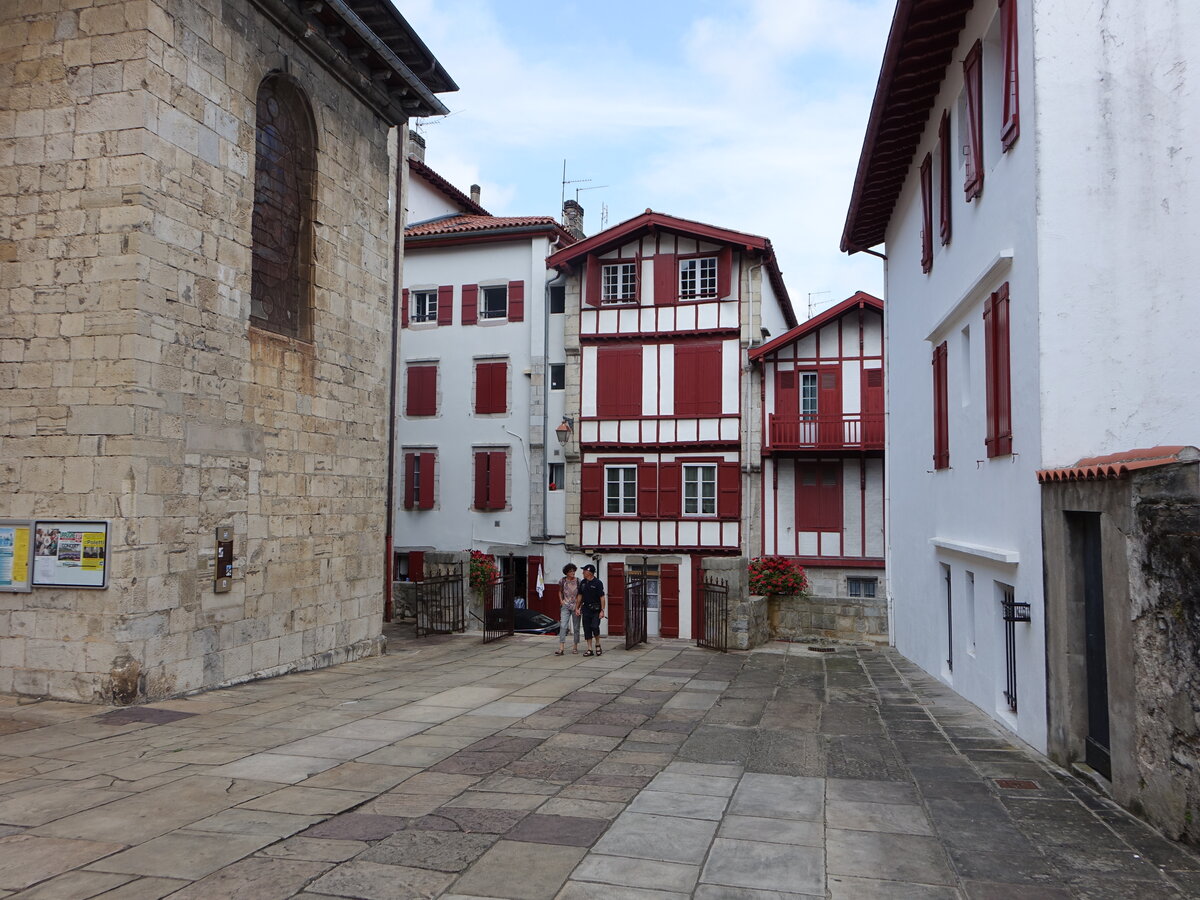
575,651
599,652
588,653
558,653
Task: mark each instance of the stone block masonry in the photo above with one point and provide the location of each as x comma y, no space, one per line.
133,388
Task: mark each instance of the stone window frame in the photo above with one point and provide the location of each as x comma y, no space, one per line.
293,317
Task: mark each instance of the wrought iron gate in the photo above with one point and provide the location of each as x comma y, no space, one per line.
498,609
1013,612
711,630
635,608
439,601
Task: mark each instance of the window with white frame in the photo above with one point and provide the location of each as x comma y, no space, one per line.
493,302
700,490
861,587
424,306
698,277
808,395
618,283
620,490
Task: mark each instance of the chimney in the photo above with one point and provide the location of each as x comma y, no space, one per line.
573,219
475,191
416,146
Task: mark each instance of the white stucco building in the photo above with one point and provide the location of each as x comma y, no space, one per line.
1029,166
482,372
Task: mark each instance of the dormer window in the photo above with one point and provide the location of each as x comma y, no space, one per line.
698,278
618,283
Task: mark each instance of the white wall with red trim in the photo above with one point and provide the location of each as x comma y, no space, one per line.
980,515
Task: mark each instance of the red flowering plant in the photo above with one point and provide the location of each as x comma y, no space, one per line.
777,575
483,570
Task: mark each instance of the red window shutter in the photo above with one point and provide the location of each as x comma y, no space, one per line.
818,496
647,490
591,490
989,371
618,382
668,600
491,387
516,301
941,422
409,479
470,304
481,479
831,496
614,591
445,313
404,308
497,495
729,490
973,130
666,279
416,565
724,272
591,282
927,213
1010,128
698,379
945,164
670,475
427,464
421,396
1001,394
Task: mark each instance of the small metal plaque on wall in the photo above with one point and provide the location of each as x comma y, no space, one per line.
223,577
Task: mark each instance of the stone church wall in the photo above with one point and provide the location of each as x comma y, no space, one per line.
132,387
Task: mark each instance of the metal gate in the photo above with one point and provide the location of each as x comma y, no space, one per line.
711,631
498,609
439,601
1013,612
635,608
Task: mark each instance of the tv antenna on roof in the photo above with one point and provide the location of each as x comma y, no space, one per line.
563,197
812,305
593,188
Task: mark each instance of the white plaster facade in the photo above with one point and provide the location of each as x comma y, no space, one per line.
1089,218
458,247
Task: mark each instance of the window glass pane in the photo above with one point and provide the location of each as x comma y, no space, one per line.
620,489
558,376
494,304
424,306
700,490
808,394
557,474
558,298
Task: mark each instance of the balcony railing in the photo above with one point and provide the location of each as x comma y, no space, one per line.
850,431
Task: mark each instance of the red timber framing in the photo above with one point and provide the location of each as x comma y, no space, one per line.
659,488
998,372
786,429
941,419
1010,124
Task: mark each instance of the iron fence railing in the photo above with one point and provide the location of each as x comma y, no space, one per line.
439,601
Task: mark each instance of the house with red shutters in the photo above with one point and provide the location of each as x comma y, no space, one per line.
821,390
480,387
660,423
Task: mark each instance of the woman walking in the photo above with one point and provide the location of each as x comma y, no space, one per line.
568,614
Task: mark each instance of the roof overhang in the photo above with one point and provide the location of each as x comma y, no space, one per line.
919,49
372,49
445,188
859,300
486,235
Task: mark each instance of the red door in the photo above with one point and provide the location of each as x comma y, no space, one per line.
829,407
785,422
872,408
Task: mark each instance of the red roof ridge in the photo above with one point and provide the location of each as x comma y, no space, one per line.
858,298
445,187
1115,465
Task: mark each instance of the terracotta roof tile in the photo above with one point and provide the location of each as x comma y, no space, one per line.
1116,465
469,224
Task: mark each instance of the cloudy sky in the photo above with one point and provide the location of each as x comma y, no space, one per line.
746,114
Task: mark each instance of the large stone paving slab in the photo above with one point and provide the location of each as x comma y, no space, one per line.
762,866
658,837
513,870
377,881
26,859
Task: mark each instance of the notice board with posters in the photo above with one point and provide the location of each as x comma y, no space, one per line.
16,555
70,554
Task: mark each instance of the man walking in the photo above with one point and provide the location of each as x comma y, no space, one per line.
591,596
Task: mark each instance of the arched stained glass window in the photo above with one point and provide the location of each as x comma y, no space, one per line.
281,231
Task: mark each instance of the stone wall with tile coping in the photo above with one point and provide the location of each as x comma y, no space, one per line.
134,389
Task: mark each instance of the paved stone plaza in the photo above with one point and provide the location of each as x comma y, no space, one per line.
450,768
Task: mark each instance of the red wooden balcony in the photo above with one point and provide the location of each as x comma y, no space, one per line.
849,431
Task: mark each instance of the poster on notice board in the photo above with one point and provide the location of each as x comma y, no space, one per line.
70,554
16,556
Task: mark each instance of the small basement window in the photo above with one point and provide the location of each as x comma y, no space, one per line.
861,587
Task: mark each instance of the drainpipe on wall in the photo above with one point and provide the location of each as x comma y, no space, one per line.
558,279
397,277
